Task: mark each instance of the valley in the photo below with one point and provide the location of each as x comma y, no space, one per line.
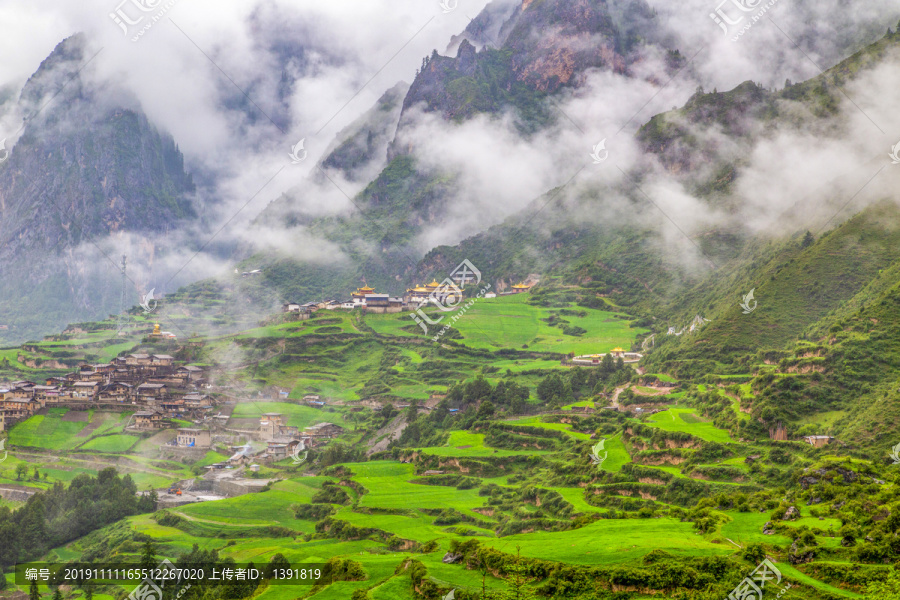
477,300
493,463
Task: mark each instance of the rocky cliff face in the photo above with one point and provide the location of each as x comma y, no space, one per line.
361,151
540,47
85,166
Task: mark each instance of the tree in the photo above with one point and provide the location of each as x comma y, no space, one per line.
148,556
607,365
518,580
808,240
278,562
88,592
754,553
2,579
551,388
479,389
37,474
33,593
57,595
485,410
21,471
412,411
147,502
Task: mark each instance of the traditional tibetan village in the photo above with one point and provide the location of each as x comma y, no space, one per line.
171,404
447,293
444,300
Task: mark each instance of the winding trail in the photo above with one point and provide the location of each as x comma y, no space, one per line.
615,397
199,520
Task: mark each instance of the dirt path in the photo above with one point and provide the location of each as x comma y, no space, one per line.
91,427
391,431
615,399
199,520
657,391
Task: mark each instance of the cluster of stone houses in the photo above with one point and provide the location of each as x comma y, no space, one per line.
153,383
281,440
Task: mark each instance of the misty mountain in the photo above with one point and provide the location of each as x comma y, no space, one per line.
88,164
467,152
541,48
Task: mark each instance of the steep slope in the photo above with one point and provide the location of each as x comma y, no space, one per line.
688,141
560,240
541,47
361,150
796,286
83,168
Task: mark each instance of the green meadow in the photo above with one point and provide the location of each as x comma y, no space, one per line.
301,416
48,431
464,443
111,443
687,421
510,322
522,484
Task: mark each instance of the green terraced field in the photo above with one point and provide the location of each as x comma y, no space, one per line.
464,443
297,415
390,486
612,541
258,509
537,422
509,322
111,443
617,456
47,431
685,420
